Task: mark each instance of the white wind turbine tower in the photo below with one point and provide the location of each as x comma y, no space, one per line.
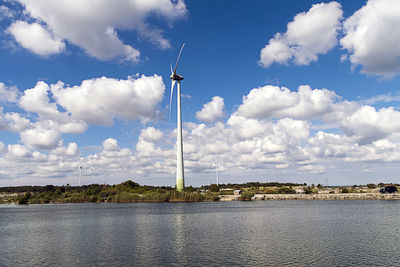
80,175
180,181
216,163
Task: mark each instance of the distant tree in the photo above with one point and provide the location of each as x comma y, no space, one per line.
371,186
320,186
190,189
246,195
25,198
345,191
213,188
130,184
49,188
307,190
381,184
286,190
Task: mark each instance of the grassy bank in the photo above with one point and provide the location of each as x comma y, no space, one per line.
121,193
130,191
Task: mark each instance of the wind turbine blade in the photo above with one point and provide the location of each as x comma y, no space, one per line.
170,99
172,72
176,65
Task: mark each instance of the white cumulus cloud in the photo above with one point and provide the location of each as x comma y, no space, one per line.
372,36
37,100
369,125
100,100
44,135
8,94
310,34
212,111
273,101
35,38
14,122
93,25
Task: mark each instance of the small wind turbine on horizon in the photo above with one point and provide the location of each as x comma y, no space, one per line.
80,175
180,182
216,163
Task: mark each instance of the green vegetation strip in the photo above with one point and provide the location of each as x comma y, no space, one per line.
128,191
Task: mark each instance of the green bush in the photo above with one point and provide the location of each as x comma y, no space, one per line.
345,191
246,195
211,197
286,190
307,190
213,188
371,186
24,199
190,189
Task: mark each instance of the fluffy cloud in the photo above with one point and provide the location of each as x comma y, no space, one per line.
286,144
92,25
37,100
151,134
310,34
273,101
17,151
35,38
8,94
13,122
70,150
96,101
372,36
43,135
263,136
100,100
362,122
371,125
212,111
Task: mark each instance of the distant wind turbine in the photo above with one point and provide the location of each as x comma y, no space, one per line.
180,182
80,175
216,170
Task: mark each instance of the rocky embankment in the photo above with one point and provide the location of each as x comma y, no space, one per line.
348,196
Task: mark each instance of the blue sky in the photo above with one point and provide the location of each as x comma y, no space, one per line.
341,124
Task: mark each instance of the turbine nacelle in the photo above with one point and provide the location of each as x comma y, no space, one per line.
176,77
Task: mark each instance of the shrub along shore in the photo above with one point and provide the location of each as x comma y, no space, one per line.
130,191
125,192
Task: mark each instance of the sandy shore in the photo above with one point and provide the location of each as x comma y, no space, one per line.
353,196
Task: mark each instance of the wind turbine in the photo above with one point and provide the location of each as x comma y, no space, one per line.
80,175
180,180
216,170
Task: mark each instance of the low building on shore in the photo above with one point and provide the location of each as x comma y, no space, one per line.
237,192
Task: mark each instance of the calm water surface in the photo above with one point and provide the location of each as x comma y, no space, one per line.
264,233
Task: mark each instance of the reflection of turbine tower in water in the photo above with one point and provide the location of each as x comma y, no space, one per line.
80,175
180,182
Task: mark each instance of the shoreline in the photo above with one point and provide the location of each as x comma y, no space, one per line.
339,196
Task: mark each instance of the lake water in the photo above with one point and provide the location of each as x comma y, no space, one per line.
264,233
